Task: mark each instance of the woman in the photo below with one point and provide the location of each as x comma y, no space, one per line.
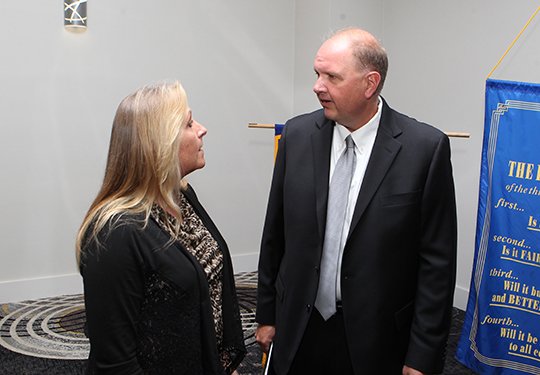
158,281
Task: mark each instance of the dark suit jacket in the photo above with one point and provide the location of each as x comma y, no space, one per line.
398,269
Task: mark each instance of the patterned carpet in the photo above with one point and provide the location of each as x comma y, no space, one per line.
46,336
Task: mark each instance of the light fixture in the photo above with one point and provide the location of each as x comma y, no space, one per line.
75,15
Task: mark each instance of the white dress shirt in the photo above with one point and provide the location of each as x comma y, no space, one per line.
364,139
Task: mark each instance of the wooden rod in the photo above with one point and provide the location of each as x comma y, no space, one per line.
260,126
458,134
271,126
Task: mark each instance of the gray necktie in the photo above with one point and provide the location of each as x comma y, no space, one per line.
338,196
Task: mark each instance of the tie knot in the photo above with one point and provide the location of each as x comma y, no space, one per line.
349,141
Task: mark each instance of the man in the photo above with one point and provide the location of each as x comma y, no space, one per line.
391,283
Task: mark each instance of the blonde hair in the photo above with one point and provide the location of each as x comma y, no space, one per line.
143,167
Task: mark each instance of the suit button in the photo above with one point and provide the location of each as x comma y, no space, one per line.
308,307
316,268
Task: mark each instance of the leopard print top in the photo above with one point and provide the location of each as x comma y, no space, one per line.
196,238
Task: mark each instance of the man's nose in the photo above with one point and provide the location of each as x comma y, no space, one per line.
318,87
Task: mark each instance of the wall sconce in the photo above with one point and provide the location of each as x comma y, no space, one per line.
75,15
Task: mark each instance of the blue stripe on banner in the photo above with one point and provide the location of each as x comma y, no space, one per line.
501,331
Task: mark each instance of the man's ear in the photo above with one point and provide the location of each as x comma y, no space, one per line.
373,80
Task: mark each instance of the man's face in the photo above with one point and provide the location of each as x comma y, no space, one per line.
340,85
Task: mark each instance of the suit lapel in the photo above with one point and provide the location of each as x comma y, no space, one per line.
321,140
385,150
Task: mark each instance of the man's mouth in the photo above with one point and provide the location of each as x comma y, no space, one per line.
324,101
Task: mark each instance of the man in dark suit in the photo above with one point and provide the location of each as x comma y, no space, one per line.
392,280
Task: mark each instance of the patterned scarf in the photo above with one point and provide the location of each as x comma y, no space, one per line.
194,237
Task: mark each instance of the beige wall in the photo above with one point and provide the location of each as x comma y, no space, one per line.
240,61
59,92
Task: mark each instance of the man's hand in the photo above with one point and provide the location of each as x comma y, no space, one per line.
264,336
410,371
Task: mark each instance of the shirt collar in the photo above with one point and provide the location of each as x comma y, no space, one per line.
365,135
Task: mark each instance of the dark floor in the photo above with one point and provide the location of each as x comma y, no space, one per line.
16,364
452,366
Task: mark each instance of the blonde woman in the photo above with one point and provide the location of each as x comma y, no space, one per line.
158,280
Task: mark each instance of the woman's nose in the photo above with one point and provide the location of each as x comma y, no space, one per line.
202,130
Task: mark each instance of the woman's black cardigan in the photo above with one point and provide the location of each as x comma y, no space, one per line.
147,302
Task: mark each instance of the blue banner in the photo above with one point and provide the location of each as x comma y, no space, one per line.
278,128
501,331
